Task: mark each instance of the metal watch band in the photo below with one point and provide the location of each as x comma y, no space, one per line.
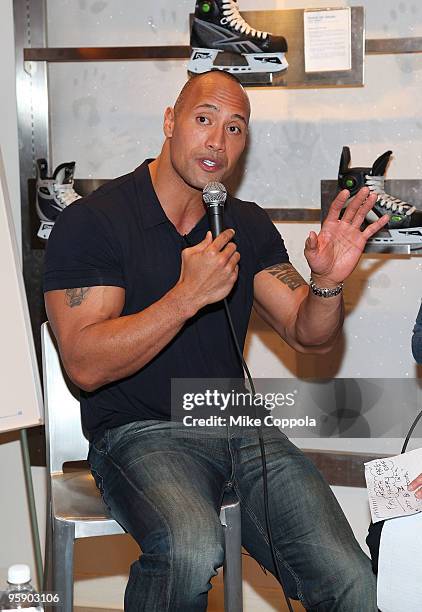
325,292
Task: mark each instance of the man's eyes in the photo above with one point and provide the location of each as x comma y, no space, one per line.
232,129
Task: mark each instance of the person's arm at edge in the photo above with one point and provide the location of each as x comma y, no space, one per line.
417,354
417,338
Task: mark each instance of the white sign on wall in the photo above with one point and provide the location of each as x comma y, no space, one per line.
328,40
21,403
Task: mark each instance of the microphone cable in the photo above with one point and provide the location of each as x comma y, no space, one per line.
214,195
409,433
263,458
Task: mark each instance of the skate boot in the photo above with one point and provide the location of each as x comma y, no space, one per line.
405,224
222,40
53,194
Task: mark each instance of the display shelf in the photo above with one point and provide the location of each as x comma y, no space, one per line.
105,54
301,215
344,469
288,22
387,46
86,186
373,46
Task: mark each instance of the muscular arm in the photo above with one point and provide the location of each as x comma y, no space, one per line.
308,323
98,346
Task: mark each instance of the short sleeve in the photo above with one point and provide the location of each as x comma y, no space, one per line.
81,251
269,245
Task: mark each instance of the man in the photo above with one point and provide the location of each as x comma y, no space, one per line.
134,283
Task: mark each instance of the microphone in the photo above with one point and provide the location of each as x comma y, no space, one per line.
214,195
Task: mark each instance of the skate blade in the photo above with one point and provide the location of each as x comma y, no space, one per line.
267,62
203,60
45,230
411,236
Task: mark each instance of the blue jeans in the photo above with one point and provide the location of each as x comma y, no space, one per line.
417,338
166,491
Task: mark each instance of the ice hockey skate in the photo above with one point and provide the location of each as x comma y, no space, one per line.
405,224
53,194
222,40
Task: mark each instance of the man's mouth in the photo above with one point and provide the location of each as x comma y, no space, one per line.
209,165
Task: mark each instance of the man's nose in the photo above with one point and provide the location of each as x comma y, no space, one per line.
216,139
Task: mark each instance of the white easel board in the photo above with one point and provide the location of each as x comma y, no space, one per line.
21,402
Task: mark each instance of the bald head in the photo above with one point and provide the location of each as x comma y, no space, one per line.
206,131
197,82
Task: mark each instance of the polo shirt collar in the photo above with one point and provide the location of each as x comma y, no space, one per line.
151,211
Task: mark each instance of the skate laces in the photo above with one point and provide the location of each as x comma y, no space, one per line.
66,194
376,185
236,21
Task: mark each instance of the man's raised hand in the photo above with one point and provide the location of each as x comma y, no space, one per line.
334,252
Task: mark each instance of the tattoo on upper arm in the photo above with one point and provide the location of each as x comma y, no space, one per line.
286,273
75,297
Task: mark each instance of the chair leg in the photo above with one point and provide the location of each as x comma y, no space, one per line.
63,545
230,519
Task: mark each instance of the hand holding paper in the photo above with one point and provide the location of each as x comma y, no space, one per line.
416,485
387,481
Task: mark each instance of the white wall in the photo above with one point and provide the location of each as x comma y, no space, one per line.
108,118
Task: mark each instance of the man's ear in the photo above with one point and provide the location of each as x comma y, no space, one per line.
168,126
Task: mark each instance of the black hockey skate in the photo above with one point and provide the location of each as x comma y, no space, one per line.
405,224
222,40
53,194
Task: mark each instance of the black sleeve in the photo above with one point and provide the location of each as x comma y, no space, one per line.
417,338
269,245
81,251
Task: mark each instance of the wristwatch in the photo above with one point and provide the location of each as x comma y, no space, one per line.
325,292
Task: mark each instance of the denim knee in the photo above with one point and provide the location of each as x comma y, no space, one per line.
183,563
200,554
352,587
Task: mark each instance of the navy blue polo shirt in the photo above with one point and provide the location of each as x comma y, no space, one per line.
120,236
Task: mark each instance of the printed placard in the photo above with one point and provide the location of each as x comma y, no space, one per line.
327,35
